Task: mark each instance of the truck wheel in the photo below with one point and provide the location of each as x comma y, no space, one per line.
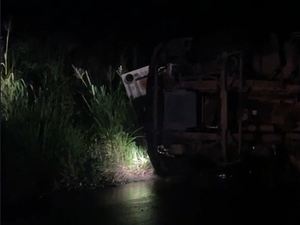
157,160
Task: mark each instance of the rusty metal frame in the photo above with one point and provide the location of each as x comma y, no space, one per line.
240,102
222,87
223,100
224,103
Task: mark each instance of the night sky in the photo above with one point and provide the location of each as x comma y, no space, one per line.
145,23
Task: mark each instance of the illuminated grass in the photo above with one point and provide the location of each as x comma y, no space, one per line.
41,143
114,148
45,147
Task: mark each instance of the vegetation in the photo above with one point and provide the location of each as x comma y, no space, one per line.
55,139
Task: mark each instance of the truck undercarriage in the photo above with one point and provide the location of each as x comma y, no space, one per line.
220,107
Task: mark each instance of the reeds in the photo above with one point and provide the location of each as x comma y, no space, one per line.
44,145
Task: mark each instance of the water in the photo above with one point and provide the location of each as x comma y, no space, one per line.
162,202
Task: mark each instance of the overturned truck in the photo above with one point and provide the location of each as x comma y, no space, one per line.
220,104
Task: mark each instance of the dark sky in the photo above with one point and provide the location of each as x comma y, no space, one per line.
145,22
141,19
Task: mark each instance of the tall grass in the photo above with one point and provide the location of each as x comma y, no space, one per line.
44,147
41,143
113,133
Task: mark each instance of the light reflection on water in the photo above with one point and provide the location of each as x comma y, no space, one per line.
125,193
134,202
161,202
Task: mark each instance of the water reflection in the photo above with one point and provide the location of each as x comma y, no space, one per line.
125,193
133,203
161,202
